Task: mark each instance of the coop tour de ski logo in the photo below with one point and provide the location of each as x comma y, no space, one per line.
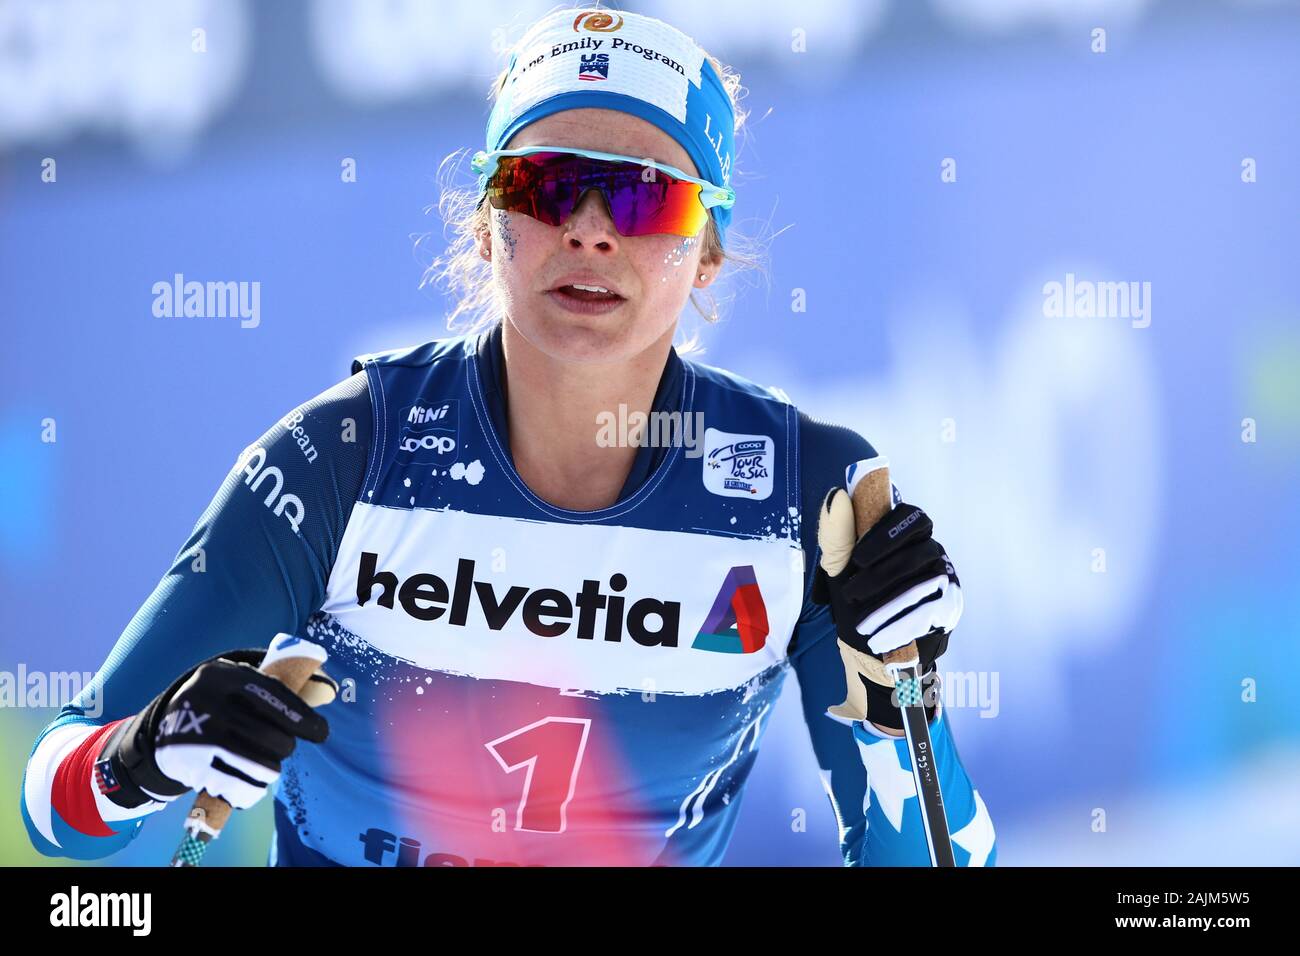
738,466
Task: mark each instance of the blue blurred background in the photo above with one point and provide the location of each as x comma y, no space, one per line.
1126,539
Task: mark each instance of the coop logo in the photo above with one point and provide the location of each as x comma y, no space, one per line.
430,433
736,622
738,466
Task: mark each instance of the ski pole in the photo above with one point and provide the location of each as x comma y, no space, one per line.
873,498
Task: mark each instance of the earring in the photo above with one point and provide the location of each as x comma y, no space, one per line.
704,276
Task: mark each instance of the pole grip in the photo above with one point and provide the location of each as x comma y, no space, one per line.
873,498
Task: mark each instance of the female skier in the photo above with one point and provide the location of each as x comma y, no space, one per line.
551,642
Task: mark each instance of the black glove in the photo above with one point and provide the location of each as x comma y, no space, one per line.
222,726
899,586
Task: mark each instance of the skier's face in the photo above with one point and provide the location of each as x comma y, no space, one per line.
654,273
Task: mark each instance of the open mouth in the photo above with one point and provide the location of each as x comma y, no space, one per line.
587,293
583,299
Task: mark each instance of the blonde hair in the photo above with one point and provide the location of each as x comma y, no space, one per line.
467,277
